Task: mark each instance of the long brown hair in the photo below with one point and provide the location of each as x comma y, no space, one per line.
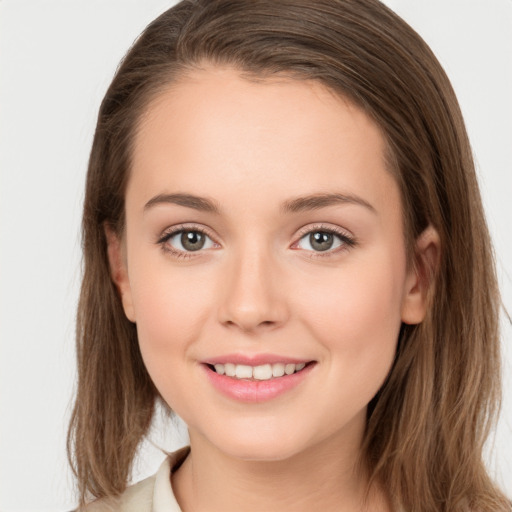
427,426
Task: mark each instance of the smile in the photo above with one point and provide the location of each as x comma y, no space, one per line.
261,372
259,383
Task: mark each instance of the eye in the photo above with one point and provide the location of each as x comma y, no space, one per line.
181,240
327,240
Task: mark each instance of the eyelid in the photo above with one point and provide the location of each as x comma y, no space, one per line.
171,231
332,228
348,240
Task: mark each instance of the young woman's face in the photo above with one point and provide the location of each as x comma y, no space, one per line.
263,230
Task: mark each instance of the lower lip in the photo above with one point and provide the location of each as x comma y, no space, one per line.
256,390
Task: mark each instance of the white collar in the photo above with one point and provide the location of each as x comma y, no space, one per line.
163,495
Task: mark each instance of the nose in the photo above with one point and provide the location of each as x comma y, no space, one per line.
253,296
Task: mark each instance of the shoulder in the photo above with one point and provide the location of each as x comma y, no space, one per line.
136,498
154,494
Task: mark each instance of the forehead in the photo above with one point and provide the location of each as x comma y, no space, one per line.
215,129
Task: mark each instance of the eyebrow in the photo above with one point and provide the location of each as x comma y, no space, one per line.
298,204
202,204
317,201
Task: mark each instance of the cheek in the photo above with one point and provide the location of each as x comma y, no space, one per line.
171,307
357,322
357,314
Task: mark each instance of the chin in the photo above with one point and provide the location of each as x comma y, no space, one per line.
258,445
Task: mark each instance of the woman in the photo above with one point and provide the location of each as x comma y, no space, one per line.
280,203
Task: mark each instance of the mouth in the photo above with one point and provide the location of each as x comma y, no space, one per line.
257,378
261,372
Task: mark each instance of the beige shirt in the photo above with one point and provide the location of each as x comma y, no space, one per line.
154,494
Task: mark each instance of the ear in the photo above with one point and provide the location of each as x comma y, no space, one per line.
420,277
119,271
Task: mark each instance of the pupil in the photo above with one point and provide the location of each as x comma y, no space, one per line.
192,240
321,241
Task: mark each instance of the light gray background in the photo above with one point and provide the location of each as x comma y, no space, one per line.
56,61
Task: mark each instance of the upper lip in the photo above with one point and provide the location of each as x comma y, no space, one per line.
254,359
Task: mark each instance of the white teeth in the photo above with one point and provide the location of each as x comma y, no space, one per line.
289,369
219,368
229,368
262,372
243,372
277,370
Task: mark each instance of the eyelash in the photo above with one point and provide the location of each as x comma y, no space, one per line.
168,234
347,240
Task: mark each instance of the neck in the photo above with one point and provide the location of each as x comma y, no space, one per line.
324,477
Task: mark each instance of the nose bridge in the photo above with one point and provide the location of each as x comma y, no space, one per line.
251,295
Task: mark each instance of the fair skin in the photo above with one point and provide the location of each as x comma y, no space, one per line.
257,283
